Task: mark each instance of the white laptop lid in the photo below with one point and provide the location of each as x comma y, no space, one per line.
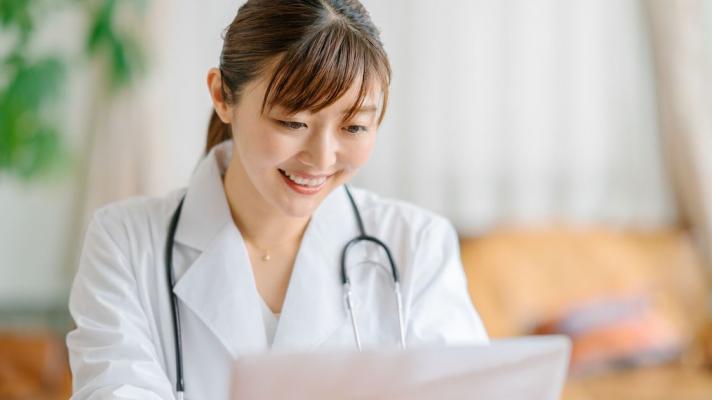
532,368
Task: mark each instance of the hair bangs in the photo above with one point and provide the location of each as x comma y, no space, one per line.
323,68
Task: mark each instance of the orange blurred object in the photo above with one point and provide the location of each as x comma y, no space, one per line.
33,365
621,331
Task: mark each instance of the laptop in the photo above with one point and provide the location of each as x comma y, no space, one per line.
532,368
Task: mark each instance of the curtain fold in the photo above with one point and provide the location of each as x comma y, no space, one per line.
684,83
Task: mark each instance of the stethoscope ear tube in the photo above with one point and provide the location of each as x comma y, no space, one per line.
352,314
401,322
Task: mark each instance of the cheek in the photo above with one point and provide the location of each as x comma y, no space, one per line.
270,147
266,149
360,152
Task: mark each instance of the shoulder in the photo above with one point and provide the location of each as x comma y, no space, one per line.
139,207
407,220
135,220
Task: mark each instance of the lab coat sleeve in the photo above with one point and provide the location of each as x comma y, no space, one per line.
111,353
440,307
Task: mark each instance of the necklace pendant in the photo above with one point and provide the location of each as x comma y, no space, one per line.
266,257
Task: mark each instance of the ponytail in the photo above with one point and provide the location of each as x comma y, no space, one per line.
218,132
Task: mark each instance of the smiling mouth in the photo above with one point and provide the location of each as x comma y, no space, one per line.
305,182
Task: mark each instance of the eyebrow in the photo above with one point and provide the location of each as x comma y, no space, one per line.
366,109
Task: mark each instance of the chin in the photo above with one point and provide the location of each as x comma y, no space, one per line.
300,208
295,212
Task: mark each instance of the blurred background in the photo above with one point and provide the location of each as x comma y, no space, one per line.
569,141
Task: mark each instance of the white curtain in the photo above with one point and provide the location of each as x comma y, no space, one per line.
683,55
517,111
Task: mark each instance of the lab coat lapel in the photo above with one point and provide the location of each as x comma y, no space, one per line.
219,288
313,307
219,285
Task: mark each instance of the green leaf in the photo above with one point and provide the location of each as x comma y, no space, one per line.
101,31
35,84
38,151
16,14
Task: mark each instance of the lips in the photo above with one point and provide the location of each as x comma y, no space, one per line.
302,185
304,179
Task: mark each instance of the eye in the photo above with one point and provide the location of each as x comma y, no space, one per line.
355,129
292,124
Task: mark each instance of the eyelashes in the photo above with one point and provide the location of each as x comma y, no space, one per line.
292,125
350,129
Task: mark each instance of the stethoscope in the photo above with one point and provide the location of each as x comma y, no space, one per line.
345,282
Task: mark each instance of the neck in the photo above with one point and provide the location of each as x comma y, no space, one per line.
259,222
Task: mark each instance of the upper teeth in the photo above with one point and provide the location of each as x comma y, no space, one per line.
305,182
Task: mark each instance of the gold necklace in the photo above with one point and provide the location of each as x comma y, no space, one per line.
265,256
265,252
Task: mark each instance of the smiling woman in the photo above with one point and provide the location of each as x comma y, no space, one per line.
260,236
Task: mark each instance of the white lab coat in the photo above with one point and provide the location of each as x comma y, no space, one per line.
123,344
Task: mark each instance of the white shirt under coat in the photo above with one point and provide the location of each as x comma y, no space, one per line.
123,344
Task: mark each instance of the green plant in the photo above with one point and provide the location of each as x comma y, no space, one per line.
31,85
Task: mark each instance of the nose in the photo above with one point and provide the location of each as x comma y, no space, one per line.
321,151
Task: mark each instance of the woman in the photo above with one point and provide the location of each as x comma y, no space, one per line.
257,237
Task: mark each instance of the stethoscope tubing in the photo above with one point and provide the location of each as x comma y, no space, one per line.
175,312
346,284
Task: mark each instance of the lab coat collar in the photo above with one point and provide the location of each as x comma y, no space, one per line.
205,209
220,287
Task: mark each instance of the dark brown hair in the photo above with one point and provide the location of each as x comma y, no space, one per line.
316,49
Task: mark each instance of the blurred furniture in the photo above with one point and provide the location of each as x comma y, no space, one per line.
33,366
519,279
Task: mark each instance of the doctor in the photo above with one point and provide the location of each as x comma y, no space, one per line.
254,260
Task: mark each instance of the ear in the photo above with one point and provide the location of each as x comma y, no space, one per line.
223,109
